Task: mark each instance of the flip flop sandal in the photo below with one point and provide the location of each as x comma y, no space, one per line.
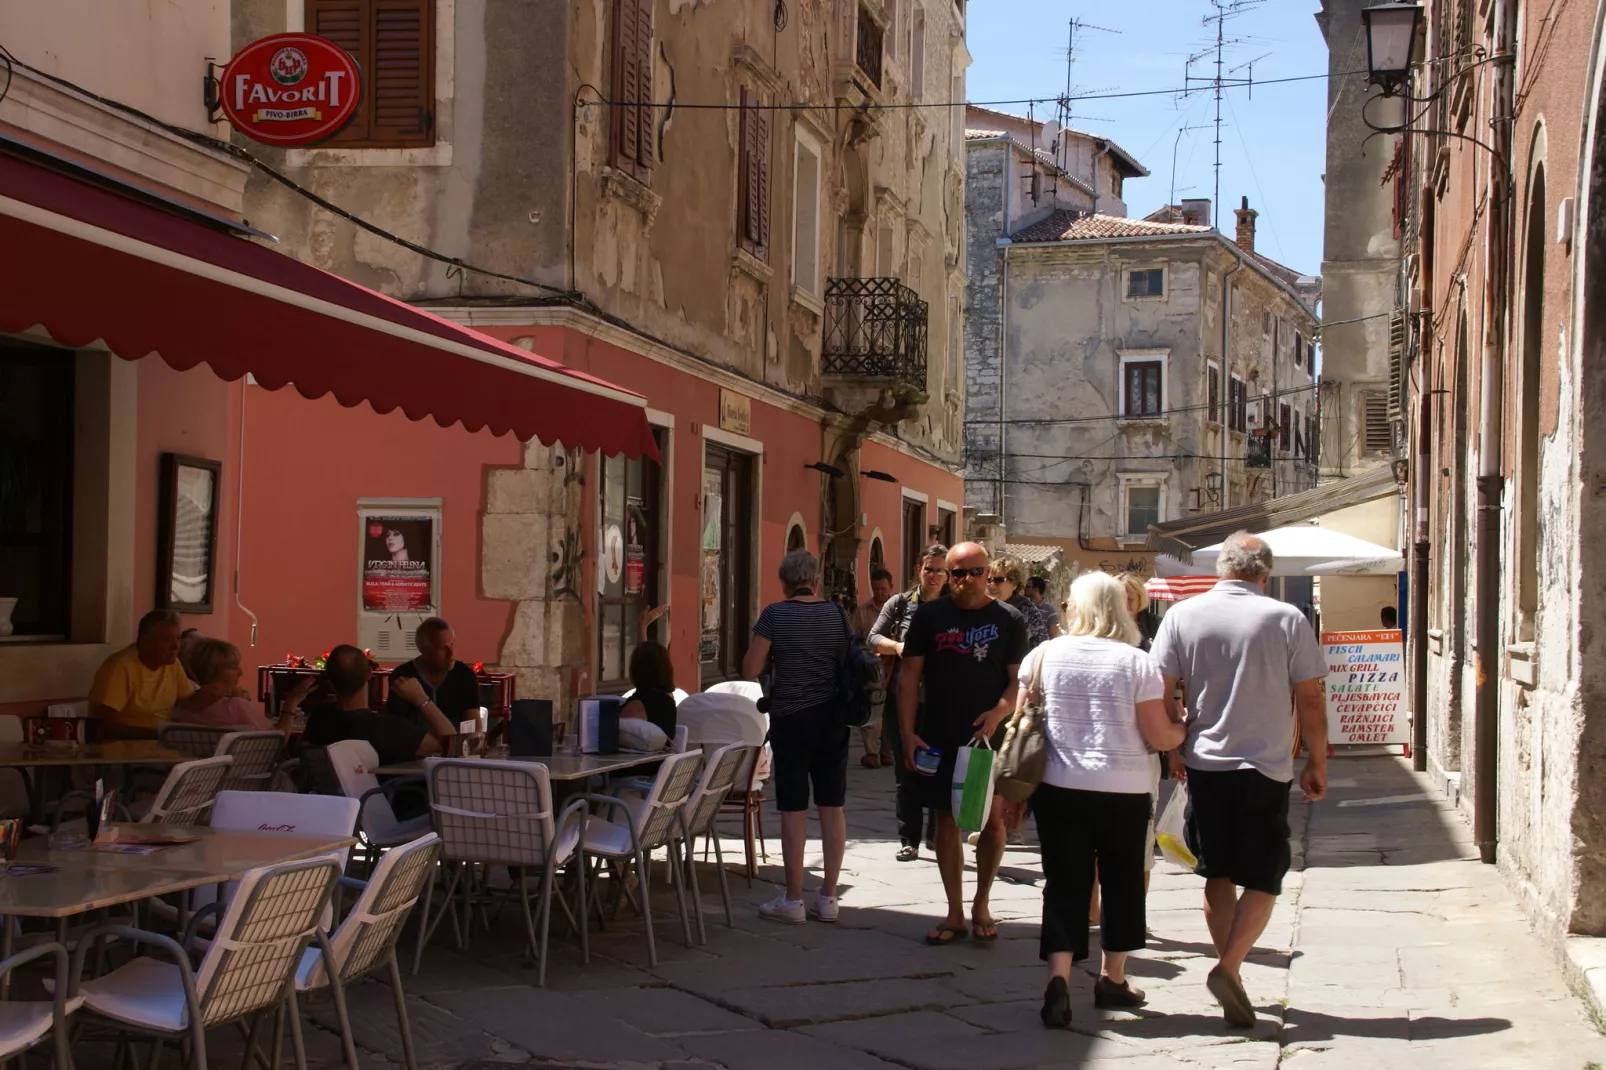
981,938
908,854
953,936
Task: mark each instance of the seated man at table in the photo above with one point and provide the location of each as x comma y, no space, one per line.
394,738
452,686
137,688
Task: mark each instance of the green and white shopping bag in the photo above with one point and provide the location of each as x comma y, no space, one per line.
975,774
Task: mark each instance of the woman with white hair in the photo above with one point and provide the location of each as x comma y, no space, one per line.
802,640
1104,720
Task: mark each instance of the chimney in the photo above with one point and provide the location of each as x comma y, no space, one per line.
1196,211
1246,226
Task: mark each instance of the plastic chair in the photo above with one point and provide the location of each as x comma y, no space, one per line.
186,795
352,762
748,689
24,1023
367,939
699,816
492,813
195,740
249,969
649,823
717,717
256,759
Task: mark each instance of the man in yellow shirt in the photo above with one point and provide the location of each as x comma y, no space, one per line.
137,688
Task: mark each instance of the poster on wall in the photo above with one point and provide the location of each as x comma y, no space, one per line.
398,569
713,513
1366,687
635,546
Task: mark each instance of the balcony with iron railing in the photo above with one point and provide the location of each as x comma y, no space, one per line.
870,46
875,333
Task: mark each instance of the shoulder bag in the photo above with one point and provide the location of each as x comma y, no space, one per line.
1023,759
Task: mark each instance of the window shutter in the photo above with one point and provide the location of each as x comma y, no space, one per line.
645,144
745,178
1398,331
345,22
1377,432
761,167
626,85
401,86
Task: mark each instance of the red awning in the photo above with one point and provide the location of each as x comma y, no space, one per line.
1177,588
88,263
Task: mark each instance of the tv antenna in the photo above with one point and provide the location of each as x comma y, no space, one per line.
1172,199
1076,26
1215,54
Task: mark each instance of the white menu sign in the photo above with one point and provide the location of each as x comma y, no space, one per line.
1366,687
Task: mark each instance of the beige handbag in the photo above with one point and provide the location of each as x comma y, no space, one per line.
1023,759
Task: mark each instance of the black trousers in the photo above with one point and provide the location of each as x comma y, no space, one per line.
907,804
1077,828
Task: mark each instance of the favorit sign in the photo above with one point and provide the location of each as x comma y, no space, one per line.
290,89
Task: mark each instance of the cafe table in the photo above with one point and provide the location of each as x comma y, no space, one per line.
62,755
560,767
89,879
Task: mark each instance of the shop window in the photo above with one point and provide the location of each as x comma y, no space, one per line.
727,554
1143,388
393,42
36,487
753,178
1145,282
914,537
630,542
632,130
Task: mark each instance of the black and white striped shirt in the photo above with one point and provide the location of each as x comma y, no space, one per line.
807,640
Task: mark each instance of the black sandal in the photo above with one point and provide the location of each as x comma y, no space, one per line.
1106,993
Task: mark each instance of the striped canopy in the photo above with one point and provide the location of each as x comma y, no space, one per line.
1176,588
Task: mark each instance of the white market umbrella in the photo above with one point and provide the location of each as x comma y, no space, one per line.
1303,550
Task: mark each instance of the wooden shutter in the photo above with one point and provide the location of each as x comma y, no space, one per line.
393,42
1399,332
753,177
633,135
761,167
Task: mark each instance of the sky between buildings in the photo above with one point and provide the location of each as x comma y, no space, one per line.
1272,145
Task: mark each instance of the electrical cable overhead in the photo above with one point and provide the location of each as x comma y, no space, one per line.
1043,421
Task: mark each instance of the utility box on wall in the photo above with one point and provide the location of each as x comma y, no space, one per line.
398,573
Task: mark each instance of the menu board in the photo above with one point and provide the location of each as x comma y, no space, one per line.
1366,687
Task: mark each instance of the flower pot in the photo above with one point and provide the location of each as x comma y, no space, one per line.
6,606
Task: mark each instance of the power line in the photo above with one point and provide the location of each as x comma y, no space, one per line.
993,421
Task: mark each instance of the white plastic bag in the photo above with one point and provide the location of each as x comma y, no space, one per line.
1168,830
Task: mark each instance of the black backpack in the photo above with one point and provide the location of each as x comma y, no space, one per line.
860,682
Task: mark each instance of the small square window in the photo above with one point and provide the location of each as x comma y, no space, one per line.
1142,507
1147,282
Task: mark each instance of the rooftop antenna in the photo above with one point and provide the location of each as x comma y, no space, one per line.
1172,198
1075,27
1222,11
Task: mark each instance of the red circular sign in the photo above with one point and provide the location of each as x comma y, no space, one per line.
290,89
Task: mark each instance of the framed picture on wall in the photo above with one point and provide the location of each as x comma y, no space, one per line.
186,536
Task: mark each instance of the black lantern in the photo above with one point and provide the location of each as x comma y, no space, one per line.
1390,39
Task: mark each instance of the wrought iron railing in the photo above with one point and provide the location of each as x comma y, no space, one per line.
1257,451
875,328
871,43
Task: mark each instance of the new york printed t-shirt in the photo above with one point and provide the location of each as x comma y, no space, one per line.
969,654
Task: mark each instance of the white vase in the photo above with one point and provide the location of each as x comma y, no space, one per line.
6,606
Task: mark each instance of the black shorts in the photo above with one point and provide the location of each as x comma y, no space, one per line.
1237,827
809,746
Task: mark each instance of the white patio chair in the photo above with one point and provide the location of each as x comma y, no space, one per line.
185,797
718,777
648,824
24,1023
748,689
353,762
717,717
256,759
249,969
367,938
195,740
493,813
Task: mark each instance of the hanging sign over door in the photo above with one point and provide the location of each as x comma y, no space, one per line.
290,89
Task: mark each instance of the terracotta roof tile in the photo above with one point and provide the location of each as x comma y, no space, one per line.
1073,226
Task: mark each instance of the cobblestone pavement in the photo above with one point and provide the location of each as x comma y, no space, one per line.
1391,947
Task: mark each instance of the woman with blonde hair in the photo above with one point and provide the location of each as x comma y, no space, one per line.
1104,721
217,669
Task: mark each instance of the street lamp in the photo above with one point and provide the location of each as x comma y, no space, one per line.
1390,39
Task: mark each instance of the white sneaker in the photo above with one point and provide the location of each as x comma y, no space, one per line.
784,910
824,908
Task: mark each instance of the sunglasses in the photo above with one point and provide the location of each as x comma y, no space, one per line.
934,571
963,573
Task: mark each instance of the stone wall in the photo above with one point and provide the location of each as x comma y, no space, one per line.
984,225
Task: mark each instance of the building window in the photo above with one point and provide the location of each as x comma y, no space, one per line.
1265,322
1237,406
1310,439
878,554
1299,437
632,125
727,554
1284,428
917,57
1213,392
914,537
796,538
1268,413
1145,282
868,53
1299,350
947,527
1141,507
955,346
753,178
806,215
393,42
1377,433
630,525
1143,389
36,487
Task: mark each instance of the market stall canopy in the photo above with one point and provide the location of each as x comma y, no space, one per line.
1304,550
1177,588
1181,538
91,261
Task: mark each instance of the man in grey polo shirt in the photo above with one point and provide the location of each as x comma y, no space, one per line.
1248,662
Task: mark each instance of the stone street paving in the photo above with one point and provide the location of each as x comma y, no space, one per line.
1391,947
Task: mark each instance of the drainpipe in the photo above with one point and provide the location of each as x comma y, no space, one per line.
1422,483
1487,638
1226,371
1003,383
